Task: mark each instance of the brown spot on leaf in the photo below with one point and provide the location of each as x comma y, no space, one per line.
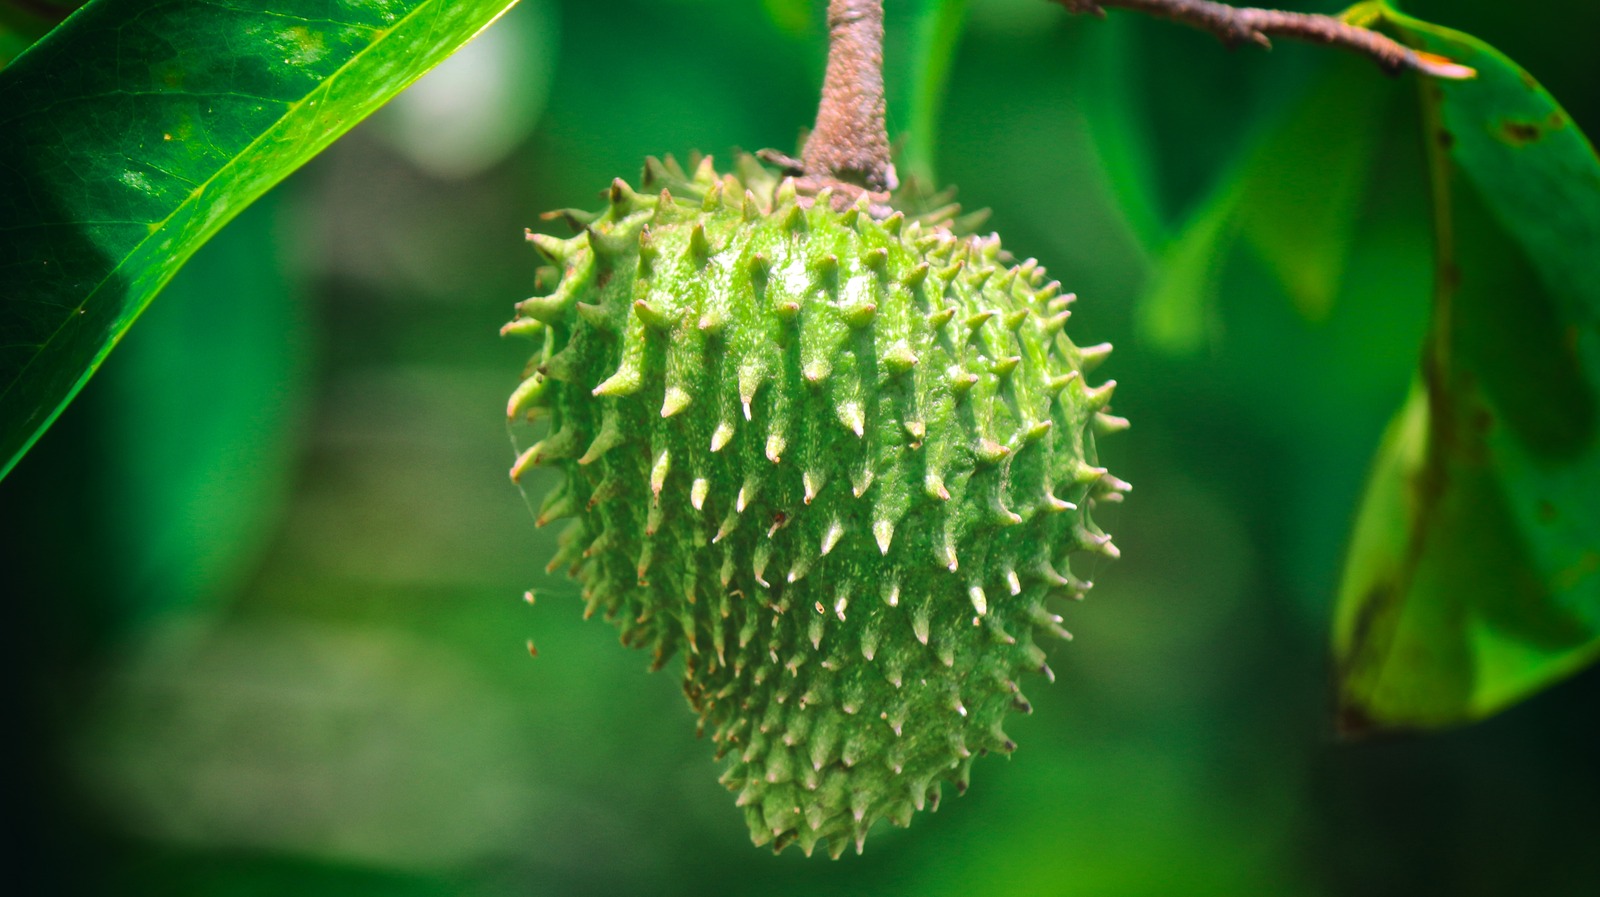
1520,133
1450,273
1447,140
1572,577
1482,420
1353,722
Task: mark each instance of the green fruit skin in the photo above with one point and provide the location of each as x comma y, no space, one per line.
838,463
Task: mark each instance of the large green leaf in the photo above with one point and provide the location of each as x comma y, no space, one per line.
1473,578
136,129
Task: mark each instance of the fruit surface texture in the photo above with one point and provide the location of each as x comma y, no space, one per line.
836,460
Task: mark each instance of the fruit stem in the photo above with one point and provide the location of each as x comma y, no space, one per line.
1237,25
849,147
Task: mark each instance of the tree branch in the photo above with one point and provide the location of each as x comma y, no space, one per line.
1237,25
849,147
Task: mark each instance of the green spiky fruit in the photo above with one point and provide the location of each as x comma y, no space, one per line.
837,462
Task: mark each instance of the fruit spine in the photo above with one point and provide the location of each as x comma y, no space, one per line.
835,460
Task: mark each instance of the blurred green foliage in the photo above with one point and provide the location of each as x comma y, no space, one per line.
1294,199
318,680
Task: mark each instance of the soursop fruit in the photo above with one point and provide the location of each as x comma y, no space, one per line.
836,460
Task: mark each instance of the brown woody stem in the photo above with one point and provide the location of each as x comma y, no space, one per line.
1236,25
849,147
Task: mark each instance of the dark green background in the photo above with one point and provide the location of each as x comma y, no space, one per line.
265,576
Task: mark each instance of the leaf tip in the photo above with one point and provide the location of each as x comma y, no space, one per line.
1443,67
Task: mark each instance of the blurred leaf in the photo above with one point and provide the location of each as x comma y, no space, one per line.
1177,312
1293,199
1117,127
203,404
791,16
938,30
237,873
354,745
1304,192
1473,578
134,132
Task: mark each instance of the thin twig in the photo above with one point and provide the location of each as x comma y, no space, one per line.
849,147
1236,25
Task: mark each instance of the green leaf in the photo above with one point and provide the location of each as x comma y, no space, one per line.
1293,199
136,130
1473,578
938,30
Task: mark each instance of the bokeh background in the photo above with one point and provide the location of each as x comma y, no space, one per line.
266,576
